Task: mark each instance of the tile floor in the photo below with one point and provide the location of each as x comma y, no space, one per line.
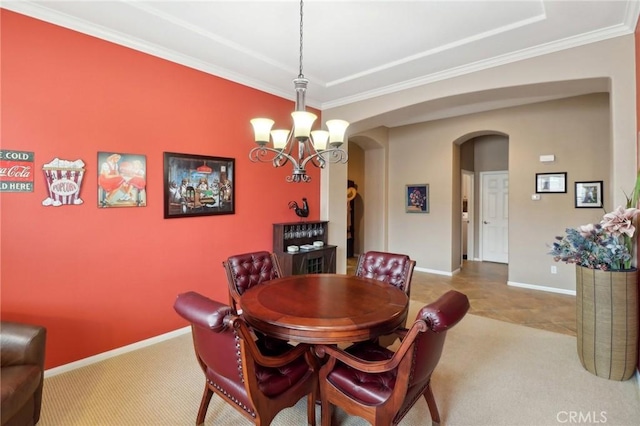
485,284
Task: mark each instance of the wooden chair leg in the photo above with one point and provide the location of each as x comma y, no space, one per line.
433,408
326,412
204,404
311,409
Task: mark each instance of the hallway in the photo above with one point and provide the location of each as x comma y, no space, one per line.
485,284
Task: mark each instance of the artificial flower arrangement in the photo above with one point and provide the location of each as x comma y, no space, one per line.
607,245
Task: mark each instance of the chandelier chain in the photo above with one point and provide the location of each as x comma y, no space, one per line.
301,146
301,75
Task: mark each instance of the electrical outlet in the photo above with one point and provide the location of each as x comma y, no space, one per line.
554,269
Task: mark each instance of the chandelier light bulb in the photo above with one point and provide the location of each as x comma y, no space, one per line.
337,128
320,138
261,129
280,138
302,122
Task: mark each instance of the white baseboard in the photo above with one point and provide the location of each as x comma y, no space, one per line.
434,271
119,351
542,288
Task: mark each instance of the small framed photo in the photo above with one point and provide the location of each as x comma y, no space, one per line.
198,185
589,194
551,182
417,198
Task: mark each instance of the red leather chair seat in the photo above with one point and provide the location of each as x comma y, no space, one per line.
373,388
274,381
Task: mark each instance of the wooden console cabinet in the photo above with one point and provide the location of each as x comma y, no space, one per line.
317,260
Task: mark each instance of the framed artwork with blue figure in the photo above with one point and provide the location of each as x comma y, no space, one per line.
198,185
417,198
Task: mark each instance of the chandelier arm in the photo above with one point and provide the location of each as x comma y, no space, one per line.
336,155
259,154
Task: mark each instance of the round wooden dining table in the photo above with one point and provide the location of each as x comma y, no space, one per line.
324,308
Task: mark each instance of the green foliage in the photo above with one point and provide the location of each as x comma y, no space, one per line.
632,200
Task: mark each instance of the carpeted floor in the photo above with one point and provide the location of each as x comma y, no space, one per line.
491,373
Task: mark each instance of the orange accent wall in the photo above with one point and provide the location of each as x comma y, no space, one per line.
99,279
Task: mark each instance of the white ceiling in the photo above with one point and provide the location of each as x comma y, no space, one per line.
353,50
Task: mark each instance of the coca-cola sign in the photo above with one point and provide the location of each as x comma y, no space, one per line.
16,171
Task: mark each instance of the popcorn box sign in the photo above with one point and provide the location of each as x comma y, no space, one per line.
64,181
16,171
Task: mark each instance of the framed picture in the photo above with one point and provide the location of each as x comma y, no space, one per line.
122,180
551,182
198,185
589,194
416,198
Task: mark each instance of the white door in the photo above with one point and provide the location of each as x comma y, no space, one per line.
494,224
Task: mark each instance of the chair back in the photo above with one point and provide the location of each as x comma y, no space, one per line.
214,339
439,317
247,270
392,268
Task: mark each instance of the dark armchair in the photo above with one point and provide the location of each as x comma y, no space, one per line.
372,382
22,348
256,385
247,270
391,268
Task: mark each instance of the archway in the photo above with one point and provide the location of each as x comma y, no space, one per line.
480,152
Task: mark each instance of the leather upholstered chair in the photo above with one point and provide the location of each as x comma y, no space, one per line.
372,382
247,270
391,268
22,349
257,385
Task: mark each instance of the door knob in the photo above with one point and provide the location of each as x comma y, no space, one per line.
485,222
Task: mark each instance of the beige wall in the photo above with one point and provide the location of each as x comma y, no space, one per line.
575,130
611,59
356,174
491,153
374,142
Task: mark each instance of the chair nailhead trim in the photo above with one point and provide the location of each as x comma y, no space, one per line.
232,399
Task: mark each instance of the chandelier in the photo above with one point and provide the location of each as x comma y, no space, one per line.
300,145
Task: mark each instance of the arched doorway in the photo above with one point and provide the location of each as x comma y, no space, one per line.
367,170
481,154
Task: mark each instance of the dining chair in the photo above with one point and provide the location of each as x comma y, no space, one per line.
257,385
381,386
247,270
391,268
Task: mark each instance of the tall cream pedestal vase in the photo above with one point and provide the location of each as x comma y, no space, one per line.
607,321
